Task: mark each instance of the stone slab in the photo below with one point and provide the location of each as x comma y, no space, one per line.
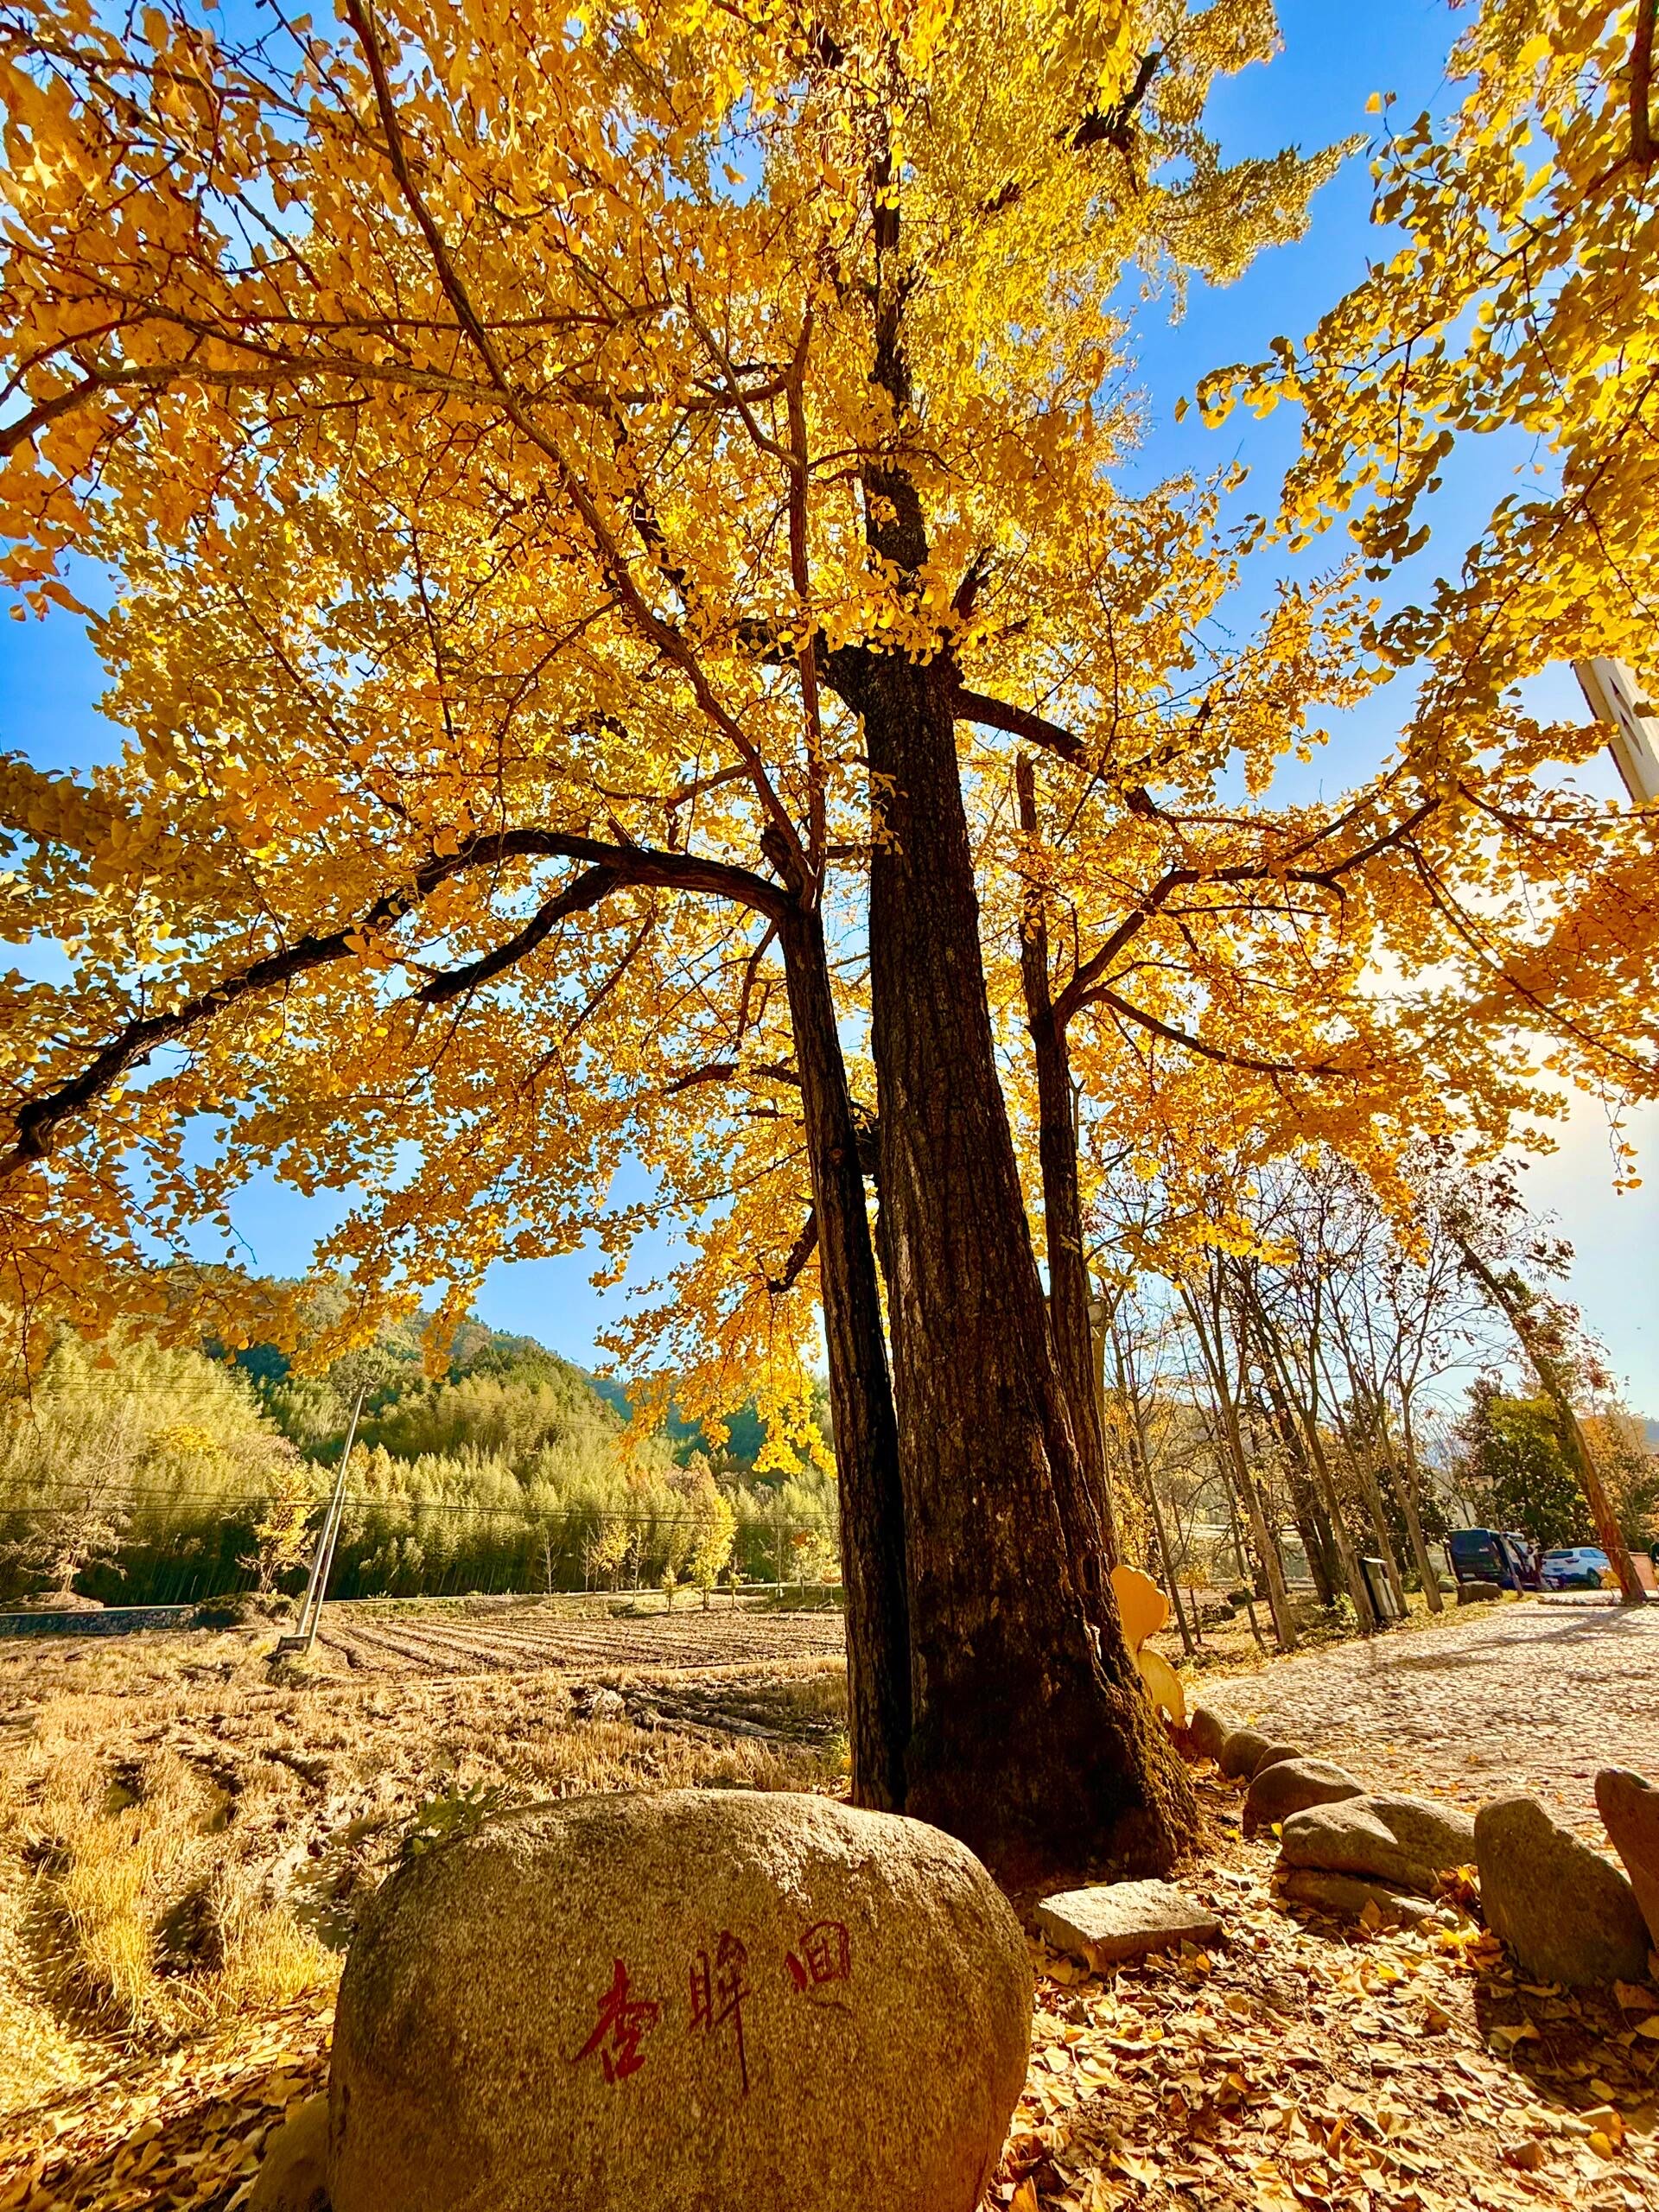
1345,1897
1116,1921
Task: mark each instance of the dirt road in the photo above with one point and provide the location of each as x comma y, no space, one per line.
1531,1695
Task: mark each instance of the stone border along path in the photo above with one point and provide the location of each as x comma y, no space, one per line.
1530,1695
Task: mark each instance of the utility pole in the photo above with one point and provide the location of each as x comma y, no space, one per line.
323,1558
1616,701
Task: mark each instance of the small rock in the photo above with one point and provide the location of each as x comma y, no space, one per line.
1124,1920
1346,1897
1479,1593
1206,1732
1287,1786
694,1998
1567,1914
1238,1754
1403,1842
1276,1755
1629,1805
293,2173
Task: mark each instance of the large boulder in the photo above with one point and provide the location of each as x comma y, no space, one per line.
1287,1786
1405,1843
1629,1805
680,2003
1207,1731
1567,1913
292,2170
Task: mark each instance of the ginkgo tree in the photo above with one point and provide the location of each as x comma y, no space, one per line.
642,440
1512,322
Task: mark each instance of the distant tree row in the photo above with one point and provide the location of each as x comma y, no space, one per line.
1313,1378
137,1474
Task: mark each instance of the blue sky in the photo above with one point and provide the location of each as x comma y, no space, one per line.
1315,93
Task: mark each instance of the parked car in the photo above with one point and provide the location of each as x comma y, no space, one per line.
1500,1555
1577,1567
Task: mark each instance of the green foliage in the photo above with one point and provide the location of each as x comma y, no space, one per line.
460,1810
1514,1465
146,1476
134,1472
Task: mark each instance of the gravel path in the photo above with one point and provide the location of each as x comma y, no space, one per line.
1534,1695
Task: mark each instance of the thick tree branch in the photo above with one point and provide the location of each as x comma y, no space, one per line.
1126,1012
1084,986
36,1122
1115,125
1642,146
1019,722
724,1071
594,884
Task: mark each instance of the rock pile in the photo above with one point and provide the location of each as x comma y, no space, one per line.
1566,1911
1288,1786
1343,1851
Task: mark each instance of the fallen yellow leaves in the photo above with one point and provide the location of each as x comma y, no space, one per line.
1311,2067
185,2129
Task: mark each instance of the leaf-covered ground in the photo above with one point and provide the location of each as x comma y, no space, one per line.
1297,2062
1302,2062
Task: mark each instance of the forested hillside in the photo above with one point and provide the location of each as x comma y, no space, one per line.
139,1474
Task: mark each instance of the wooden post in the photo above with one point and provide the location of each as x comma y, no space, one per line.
323,1560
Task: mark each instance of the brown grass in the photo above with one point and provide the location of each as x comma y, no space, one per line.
186,1834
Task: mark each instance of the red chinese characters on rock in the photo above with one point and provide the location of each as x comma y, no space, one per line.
718,1992
825,1957
624,2023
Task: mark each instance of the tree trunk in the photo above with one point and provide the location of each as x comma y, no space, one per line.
1513,1305
1400,1483
1359,1458
1057,1149
1360,1595
872,1513
1307,1506
1031,1736
1412,1497
1266,1542
1128,1390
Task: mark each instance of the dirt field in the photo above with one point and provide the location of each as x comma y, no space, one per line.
491,1636
186,1834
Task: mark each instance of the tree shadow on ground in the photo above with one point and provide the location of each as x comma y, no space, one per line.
1581,2050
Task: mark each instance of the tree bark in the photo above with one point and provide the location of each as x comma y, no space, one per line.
1031,1736
861,1392
1056,1148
